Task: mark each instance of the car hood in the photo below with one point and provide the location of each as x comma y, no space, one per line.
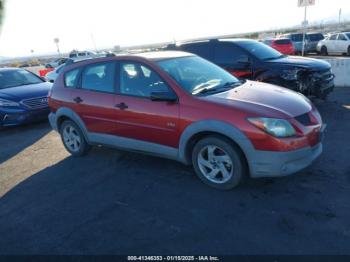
304,62
19,93
264,100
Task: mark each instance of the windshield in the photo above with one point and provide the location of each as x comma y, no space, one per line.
195,75
261,51
348,35
12,78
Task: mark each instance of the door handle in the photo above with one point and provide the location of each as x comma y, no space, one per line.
122,106
78,100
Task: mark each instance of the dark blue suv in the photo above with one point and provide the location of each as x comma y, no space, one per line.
23,97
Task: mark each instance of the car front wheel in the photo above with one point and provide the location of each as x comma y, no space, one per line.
324,51
73,138
218,163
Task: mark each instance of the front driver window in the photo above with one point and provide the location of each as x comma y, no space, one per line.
139,80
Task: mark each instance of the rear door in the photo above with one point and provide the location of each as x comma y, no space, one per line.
233,59
94,99
332,44
139,117
342,43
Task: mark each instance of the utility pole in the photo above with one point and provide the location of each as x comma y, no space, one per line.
339,21
93,41
56,41
304,30
305,4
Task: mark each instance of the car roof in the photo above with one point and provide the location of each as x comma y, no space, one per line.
161,55
238,40
3,69
152,56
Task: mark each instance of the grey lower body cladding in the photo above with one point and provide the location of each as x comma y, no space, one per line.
261,163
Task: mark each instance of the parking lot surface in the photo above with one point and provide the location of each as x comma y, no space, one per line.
112,202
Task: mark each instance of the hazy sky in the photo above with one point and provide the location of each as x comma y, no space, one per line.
33,24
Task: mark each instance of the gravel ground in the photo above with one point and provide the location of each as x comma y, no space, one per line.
112,202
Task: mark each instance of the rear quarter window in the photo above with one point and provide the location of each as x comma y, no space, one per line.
71,78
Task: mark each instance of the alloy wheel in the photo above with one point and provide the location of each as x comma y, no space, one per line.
71,138
215,164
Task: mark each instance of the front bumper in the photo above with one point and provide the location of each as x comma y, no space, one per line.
275,164
13,117
311,86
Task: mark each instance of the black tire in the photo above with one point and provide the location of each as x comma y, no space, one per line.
238,168
324,51
348,51
82,147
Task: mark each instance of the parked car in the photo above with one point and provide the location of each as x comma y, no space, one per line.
253,60
283,45
56,63
81,54
314,38
337,43
179,106
23,97
52,75
297,40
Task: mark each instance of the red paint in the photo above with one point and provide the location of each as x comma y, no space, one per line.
285,48
164,122
240,73
43,72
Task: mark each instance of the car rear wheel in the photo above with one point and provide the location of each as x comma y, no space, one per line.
324,51
218,163
73,138
349,51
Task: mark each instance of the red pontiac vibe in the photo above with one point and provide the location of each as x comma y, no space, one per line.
180,106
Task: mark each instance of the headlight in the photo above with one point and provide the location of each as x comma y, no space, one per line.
8,103
274,126
290,74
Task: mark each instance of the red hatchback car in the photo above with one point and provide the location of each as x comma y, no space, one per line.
283,45
180,106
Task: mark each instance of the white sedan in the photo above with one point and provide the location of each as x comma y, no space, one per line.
336,43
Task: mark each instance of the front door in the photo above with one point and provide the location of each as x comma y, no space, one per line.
233,59
139,117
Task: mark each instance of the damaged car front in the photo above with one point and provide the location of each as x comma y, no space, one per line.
308,76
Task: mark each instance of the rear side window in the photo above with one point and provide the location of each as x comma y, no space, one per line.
316,37
71,78
283,41
298,37
333,37
99,77
201,49
229,54
342,37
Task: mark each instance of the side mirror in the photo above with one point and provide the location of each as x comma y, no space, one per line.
163,96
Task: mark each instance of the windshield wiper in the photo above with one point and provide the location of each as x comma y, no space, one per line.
222,88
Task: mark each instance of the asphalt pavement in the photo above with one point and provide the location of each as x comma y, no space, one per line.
112,202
